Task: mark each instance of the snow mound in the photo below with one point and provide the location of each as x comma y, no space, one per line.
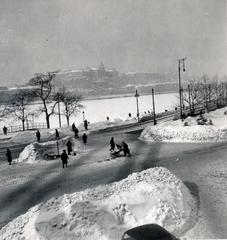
105,212
187,131
36,152
46,135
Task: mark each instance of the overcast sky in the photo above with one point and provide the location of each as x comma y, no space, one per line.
38,36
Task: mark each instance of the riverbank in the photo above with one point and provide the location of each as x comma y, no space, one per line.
88,98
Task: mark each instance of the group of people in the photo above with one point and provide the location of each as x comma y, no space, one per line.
125,147
64,155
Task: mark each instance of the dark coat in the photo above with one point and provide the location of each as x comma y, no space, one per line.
38,135
69,146
56,133
8,155
64,157
112,143
84,137
125,147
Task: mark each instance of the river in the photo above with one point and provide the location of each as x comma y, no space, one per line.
97,110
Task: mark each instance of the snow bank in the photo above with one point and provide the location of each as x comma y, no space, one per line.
187,131
46,135
105,212
41,151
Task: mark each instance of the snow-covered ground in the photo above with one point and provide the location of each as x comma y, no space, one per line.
105,212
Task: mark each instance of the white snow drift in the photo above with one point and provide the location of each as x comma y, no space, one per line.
105,212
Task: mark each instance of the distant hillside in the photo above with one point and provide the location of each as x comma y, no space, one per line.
115,84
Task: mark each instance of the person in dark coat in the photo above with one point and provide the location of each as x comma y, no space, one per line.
56,134
112,144
126,149
5,130
69,147
38,135
76,131
9,156
84,138
73,127
85,124
64,158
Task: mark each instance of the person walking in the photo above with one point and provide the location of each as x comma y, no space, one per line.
38,135
73,127
56,134
69,147
9,156
84,138
76,131
85,124
5,130
126,149
112,144
64,158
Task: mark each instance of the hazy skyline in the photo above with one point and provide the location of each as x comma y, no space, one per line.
128,35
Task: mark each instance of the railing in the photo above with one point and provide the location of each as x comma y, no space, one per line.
19,128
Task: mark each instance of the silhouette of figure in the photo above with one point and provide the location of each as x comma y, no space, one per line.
112,144
69,147
56,134
5,130
76,131
73,127
64,158
126,149
84,138
38,135
85,124
9,156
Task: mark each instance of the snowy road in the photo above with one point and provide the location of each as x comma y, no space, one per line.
201,166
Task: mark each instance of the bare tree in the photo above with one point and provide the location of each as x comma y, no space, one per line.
70,102
219,89
192,95
44,87
18,104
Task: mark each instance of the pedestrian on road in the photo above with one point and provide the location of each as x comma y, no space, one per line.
38,135
64,158
5,130
9,156
112,144
69,147
126,149
56,134
76,131
84,138
73,127
85,124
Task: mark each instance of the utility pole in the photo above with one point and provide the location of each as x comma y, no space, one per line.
137,103
154,119
181,61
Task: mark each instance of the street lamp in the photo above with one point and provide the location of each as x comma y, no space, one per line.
83,116
137,104
181,61
154,119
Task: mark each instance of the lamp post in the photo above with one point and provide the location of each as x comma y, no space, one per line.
137,103
83,116
181,61
59,115
154,119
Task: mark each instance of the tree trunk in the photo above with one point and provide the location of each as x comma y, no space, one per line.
67,118
23,125
48,121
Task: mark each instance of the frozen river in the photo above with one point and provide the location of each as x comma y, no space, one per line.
114,108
